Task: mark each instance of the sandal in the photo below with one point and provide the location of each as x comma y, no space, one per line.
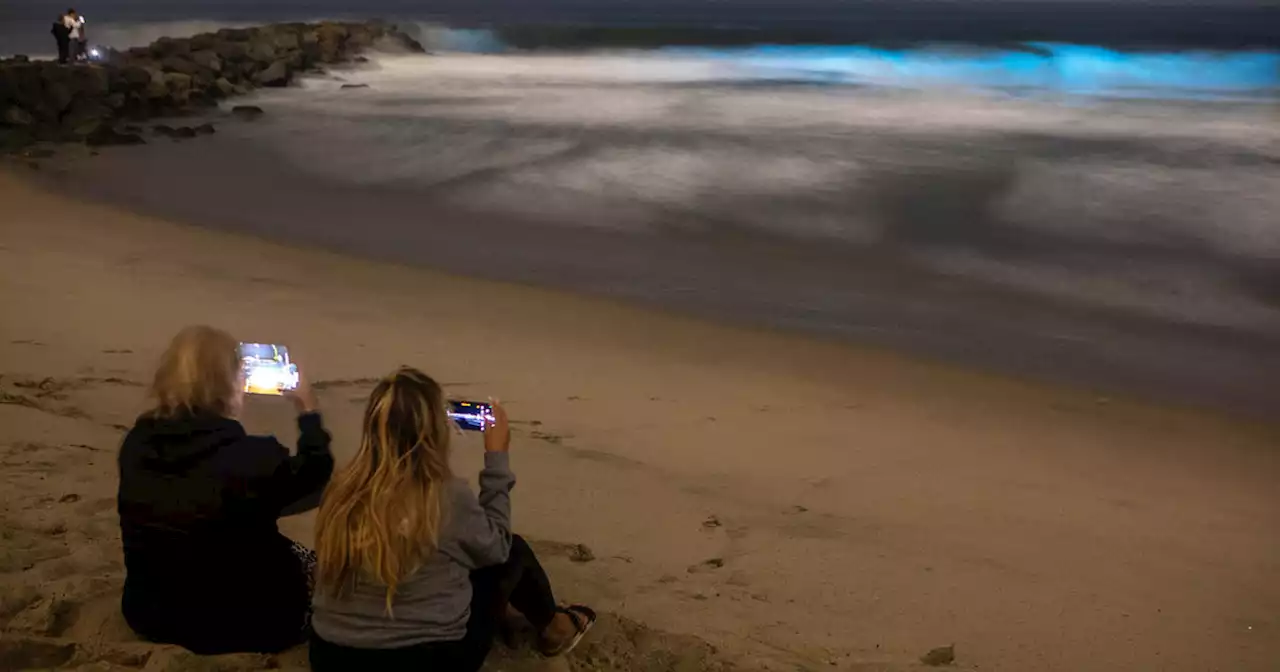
583,618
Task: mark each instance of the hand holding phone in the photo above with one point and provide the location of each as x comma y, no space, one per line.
303,397
497,438
490,418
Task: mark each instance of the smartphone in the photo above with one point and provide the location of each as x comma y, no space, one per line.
471,416
267,369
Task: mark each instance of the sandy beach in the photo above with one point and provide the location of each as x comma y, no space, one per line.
750,499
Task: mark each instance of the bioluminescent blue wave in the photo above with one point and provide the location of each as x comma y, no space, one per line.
1072,69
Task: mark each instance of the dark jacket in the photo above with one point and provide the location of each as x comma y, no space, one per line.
206,567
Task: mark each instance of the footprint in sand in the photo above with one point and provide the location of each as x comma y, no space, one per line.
50,617
579,553
706,566
26,653
554,439
939,657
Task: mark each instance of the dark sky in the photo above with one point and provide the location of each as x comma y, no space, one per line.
1212,23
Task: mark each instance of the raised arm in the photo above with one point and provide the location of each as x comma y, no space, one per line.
300,480
483,524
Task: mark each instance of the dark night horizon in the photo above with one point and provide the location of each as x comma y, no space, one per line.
1121,23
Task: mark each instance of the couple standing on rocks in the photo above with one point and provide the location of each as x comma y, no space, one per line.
73,41
45,101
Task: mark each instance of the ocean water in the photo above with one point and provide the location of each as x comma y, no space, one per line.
1105,216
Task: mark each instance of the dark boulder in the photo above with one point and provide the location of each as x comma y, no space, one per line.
16,116
108,136
85,117
296,60
262,51
330,42
361,37
178,86
246,70
203,41
285,41
14,138
207,59
57,97
175,132
179,64
23,85
397,43
355,86
205,129
235,34
247,112
91,80
157,88
135,77
224,87
168,46
231,51
277,74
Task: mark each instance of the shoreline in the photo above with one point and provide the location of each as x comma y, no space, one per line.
867,506
1095,350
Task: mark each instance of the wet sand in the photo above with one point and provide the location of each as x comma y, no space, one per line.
1195,331
791,502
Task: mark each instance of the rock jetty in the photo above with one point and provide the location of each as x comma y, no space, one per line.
45,101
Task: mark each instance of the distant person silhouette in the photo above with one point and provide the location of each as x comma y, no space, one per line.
62,35
78,36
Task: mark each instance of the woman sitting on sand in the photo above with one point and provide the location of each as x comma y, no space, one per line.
414,571
206,567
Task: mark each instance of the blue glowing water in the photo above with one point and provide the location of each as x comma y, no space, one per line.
1065,68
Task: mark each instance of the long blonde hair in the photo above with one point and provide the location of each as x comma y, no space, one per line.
381,514
199,371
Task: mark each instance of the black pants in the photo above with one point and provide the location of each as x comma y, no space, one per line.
64,48
520,582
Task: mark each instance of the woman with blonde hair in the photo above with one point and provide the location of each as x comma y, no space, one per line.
205,566
414,571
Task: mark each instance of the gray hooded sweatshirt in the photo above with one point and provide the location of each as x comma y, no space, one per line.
433,603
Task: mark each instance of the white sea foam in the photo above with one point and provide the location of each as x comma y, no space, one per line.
648,142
